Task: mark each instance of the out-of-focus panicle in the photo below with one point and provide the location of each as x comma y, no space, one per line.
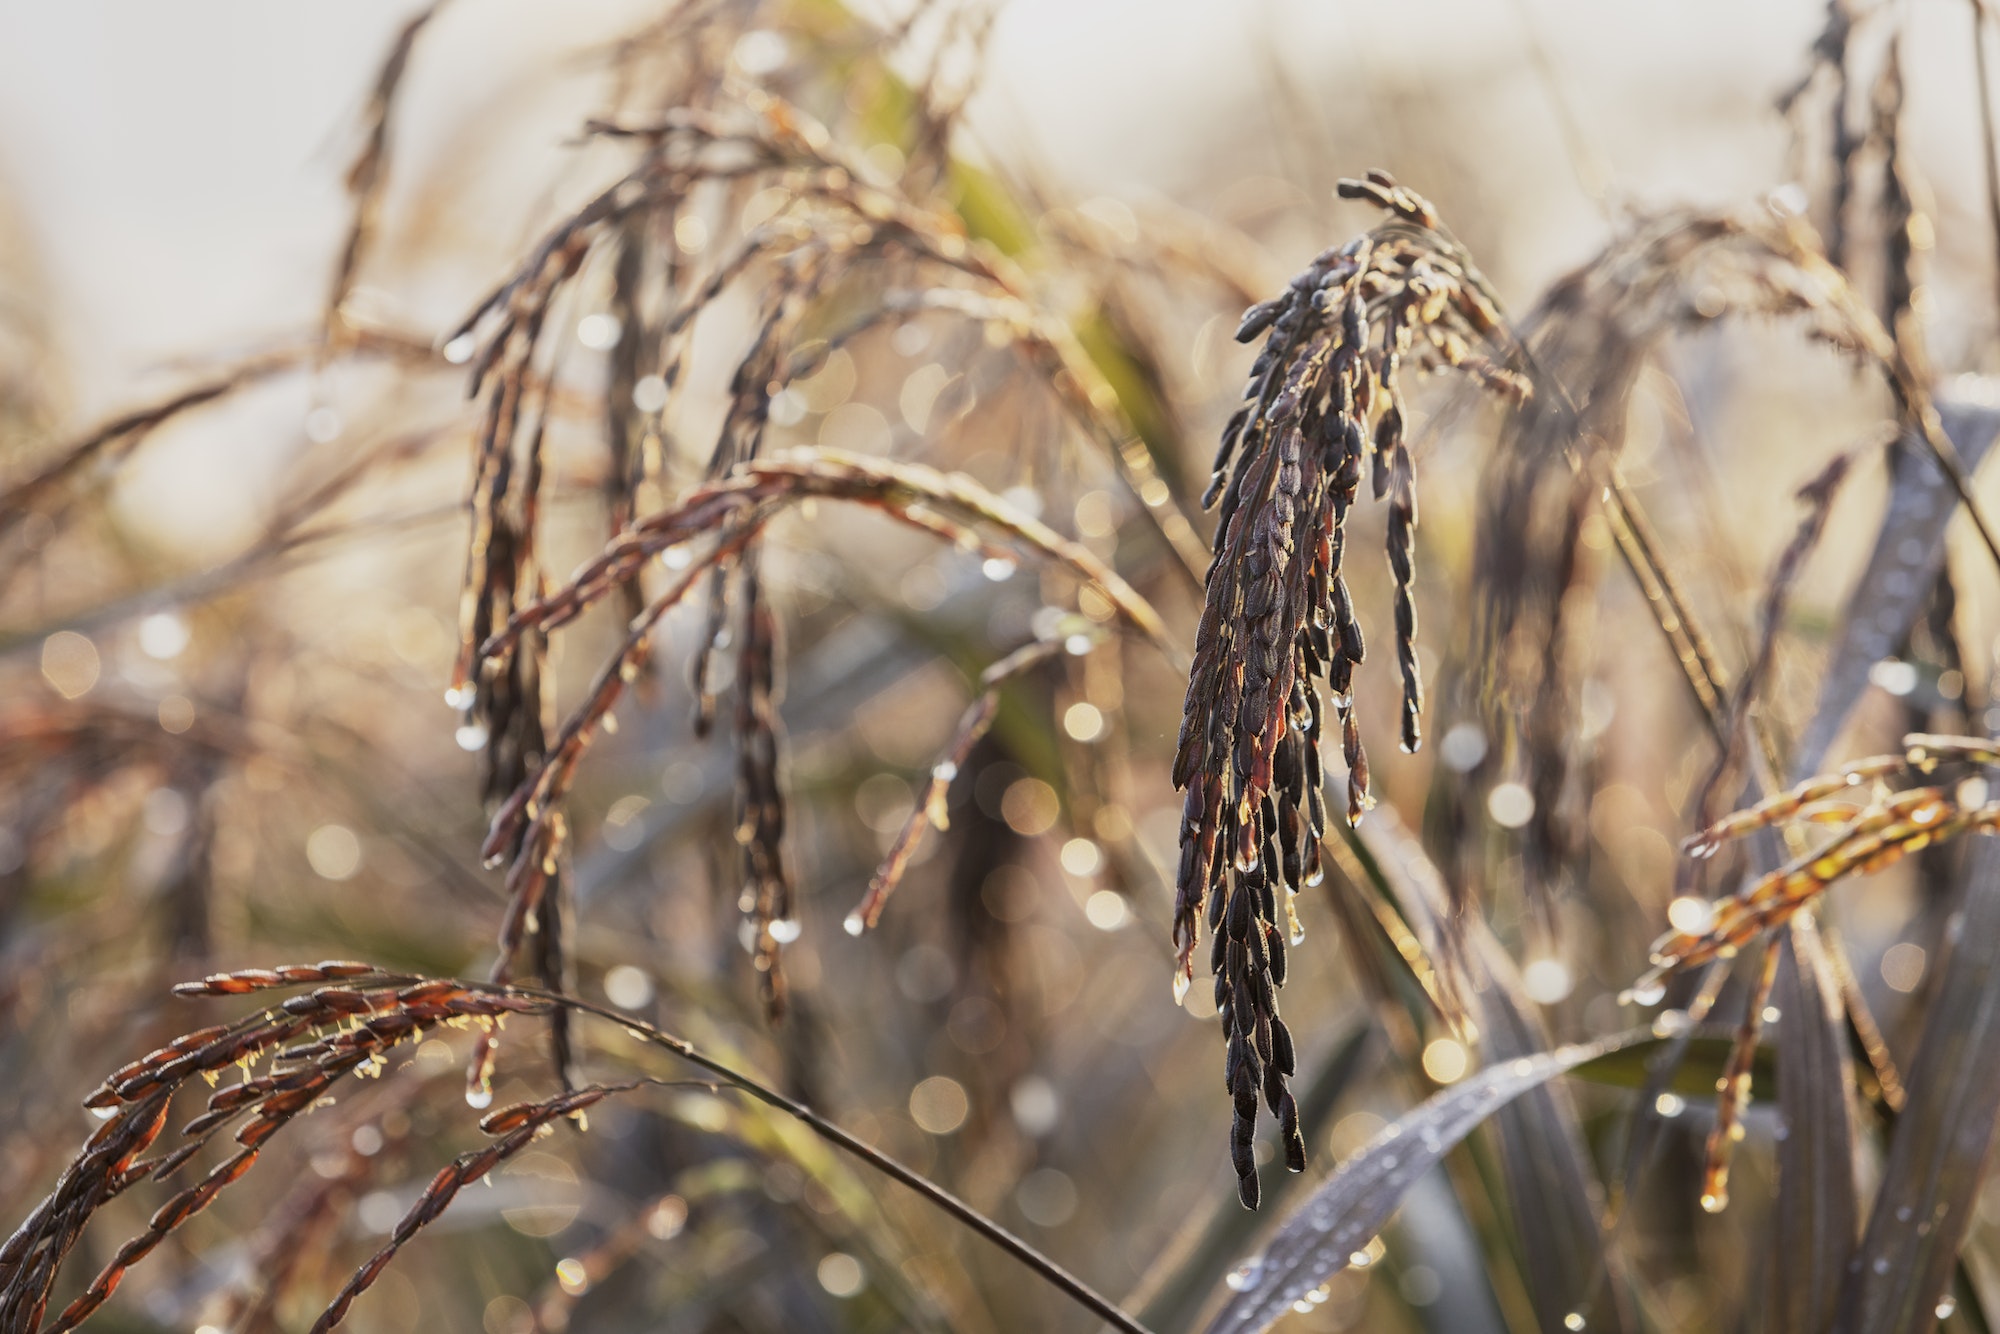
1877,829
1807,801
1324,408
930,810
766,901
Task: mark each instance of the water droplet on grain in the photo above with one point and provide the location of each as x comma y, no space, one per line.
1574,1320
1181,984
479,1099
1243,1275
785,930
855,924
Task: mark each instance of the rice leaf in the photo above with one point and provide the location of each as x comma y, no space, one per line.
1909,550
1552,1188
1942,1141
1814,1224
1319,1239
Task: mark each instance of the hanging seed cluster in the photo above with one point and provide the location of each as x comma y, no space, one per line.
1324,410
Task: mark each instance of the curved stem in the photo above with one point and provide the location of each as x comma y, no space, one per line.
1058,1277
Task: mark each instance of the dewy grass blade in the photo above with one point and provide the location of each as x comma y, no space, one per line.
1813,1229
1943,1140
1323,1235
1908,552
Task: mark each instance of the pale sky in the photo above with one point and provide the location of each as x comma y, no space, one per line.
177,166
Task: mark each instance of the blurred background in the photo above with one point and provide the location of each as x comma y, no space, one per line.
224,646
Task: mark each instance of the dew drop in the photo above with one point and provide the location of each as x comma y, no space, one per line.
1881,1265
460,349
1574,1320
1361,1259
479,1099
945,771
1302,1307
458,697
1243,1275
998,568
855,924
1297,936
1181,984
470,737
1946,1308
785,930
1647,993
1714,1203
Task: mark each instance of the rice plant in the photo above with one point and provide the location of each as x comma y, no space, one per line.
810,531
